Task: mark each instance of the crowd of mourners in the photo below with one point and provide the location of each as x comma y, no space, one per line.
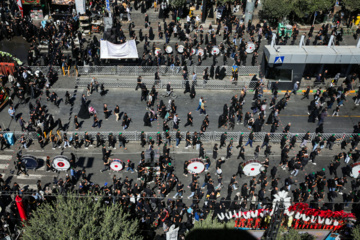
155,195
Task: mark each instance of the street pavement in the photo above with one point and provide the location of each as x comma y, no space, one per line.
91,160
129,102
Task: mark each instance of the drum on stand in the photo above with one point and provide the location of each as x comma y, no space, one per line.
61,163
250,47
31,162
116,165
215,50
196,165
180,49
252,167
157,51
168,49
200,52
355,170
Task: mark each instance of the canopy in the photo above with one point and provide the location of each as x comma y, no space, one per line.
126,50
37,2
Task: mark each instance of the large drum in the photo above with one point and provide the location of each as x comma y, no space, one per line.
215,50
61,163
31,162
193,51
116,165
168,49
250,47
196,165
180,49
157,51
200,52
355,170
252,168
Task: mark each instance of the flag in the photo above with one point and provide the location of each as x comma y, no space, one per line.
20,7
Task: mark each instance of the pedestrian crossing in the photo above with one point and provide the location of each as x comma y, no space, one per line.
5,162
30,181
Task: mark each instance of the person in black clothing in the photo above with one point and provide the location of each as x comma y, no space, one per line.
223,139
189,120
242,153
240,170
215,151
306,93
99,141
241,138
105,153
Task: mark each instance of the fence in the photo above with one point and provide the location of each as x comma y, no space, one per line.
175,83
163,70
205,137
46,69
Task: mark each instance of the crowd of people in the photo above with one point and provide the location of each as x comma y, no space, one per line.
149,196
155,196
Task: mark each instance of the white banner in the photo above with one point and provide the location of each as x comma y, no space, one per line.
126,50
80,6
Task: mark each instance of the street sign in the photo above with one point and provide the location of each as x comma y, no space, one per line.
279,60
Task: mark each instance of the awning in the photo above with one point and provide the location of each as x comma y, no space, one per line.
126,50
37,2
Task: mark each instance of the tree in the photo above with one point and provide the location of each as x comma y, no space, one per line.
80,218
355,233
177,3
212,229
352,5
292,234
277,9
302,7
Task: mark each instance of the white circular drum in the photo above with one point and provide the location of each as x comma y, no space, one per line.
250,47
116,165
252,168
200,52
61,163
168,49
157,51
215,50
355,170
180,49
193,51
196,165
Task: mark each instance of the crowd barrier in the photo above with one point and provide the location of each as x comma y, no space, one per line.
128,82
205,137
163,70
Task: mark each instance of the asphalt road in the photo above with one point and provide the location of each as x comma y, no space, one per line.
91,160
129,102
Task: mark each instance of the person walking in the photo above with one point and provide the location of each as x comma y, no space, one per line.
117,112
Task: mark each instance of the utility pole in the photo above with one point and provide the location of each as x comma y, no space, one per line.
275,223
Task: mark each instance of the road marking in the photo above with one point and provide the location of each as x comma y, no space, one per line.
4,166
6,157
30,177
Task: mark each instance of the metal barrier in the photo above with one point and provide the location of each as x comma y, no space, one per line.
206,137
175,83
46,69
163,70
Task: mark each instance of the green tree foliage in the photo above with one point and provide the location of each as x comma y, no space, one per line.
352,5
302,7
277,9
356,233
293,234
212,229
80,218
177,3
